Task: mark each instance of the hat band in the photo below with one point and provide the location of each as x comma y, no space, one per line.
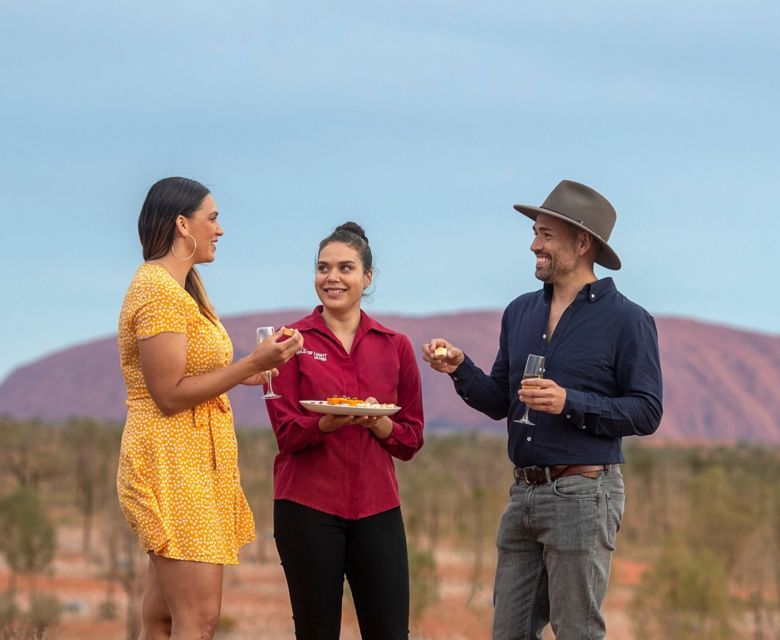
580,223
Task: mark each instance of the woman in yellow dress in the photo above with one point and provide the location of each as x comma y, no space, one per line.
178,479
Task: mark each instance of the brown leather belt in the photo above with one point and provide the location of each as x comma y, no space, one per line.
543,475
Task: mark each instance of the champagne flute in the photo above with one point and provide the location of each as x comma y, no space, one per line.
534,368
262,334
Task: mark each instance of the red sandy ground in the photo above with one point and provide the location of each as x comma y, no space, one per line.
255,599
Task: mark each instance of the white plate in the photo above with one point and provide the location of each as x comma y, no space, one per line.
320,406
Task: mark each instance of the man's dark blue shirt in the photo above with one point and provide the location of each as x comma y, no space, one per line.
604,352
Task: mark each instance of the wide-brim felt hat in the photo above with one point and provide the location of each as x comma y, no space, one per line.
585,208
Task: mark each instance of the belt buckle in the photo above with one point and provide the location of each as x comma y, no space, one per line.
522,473
532,469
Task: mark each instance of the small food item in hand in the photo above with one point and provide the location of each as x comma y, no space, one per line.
288,332
440,352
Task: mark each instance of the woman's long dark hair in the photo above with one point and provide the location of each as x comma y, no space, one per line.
167,199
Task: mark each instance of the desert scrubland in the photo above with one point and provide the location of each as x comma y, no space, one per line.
698,554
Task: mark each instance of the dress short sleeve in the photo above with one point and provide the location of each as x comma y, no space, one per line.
162,310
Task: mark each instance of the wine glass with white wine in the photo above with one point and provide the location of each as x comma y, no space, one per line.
264,333
534,368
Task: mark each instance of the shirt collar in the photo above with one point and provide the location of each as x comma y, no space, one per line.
314,321
591,292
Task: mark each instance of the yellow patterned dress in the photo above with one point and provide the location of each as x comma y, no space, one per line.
178,480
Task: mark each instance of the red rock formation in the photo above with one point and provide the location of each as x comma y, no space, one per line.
719,383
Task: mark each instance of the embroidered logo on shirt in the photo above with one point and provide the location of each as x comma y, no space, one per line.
322,357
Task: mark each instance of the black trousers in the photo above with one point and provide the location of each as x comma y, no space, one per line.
318,550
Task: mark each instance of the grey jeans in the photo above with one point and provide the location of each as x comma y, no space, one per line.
555,546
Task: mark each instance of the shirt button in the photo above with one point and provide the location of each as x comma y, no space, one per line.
592,296
465,397
528,439
583,426
544,336
568,416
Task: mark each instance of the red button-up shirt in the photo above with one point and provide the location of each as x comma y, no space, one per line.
348,472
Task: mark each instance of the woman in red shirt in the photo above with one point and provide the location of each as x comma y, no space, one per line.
336,510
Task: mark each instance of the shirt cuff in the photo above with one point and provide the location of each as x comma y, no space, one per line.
311,424
574,408
463,374
391,438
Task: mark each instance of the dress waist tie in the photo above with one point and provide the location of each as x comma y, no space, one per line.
202,419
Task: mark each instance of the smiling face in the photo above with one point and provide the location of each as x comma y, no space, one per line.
555,246
203,226
340,279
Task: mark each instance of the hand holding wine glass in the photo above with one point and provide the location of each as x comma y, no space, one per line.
264,334
534,368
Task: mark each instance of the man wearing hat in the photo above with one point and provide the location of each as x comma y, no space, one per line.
601,381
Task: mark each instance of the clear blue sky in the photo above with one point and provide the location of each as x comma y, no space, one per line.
425,121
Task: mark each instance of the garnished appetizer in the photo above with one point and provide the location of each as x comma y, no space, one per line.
344,401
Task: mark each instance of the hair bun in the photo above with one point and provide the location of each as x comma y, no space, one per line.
352,227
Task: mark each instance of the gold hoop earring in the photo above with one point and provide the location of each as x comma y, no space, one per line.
194,249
